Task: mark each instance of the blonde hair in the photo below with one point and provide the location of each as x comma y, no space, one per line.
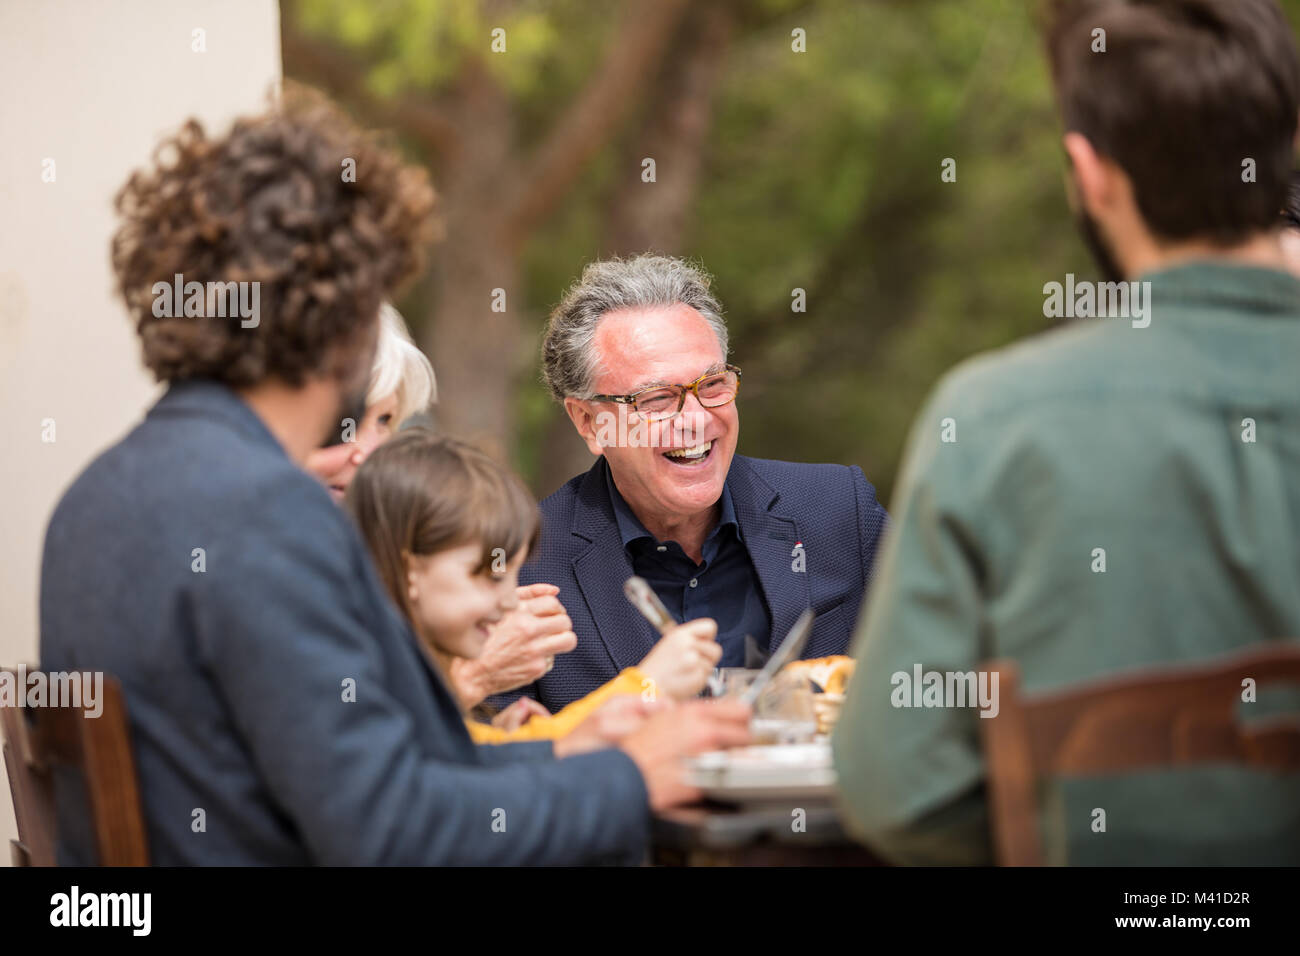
400,368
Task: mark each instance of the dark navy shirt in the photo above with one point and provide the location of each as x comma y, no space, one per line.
724,586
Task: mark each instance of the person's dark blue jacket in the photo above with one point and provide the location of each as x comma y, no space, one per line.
830,511
238,661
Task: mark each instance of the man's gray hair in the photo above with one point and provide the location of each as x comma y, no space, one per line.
569,361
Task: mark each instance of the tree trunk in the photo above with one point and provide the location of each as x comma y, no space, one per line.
645,217
476,350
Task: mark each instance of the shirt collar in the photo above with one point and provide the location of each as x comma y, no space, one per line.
1239,287
631,529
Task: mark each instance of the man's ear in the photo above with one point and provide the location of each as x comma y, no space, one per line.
1091,185
585,422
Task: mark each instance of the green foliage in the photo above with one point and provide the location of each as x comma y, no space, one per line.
421,45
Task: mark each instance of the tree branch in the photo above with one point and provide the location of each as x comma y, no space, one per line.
587,123
674,128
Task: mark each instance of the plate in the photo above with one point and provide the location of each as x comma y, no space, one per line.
761,774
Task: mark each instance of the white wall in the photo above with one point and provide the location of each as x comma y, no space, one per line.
92,85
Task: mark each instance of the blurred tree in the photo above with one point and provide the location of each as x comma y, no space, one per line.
778,169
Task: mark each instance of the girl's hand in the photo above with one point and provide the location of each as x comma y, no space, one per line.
519,713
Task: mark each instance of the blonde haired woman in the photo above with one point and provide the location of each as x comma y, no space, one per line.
401,385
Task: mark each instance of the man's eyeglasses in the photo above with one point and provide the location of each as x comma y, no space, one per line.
660,402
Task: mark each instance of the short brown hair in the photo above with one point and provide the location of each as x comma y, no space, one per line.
420,493
1184,92
269,203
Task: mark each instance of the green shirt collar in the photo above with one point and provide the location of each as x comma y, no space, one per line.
1238,287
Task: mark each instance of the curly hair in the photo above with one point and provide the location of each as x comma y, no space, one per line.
270,202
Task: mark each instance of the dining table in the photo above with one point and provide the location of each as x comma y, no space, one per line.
785,833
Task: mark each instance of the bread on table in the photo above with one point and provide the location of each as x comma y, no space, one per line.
831,674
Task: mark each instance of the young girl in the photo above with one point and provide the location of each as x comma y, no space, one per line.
448,529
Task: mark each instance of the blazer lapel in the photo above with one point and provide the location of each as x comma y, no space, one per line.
770,536
600,570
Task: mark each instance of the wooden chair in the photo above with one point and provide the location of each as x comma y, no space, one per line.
39,739
1157,718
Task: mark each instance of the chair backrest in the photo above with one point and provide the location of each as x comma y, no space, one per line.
98,748
1174,716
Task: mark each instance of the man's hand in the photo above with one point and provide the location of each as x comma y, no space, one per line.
680,664
679,731
520,649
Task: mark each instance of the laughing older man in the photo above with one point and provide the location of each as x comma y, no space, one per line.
637,353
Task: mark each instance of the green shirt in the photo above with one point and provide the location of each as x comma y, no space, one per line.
1175,449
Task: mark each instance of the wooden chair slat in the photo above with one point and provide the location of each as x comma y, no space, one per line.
1165,717
38,740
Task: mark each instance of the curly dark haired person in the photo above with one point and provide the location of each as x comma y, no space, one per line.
281,711
271,204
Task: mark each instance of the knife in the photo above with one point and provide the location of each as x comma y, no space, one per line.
790,649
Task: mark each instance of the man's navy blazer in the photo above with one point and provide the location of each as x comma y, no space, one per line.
271,684
811,532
